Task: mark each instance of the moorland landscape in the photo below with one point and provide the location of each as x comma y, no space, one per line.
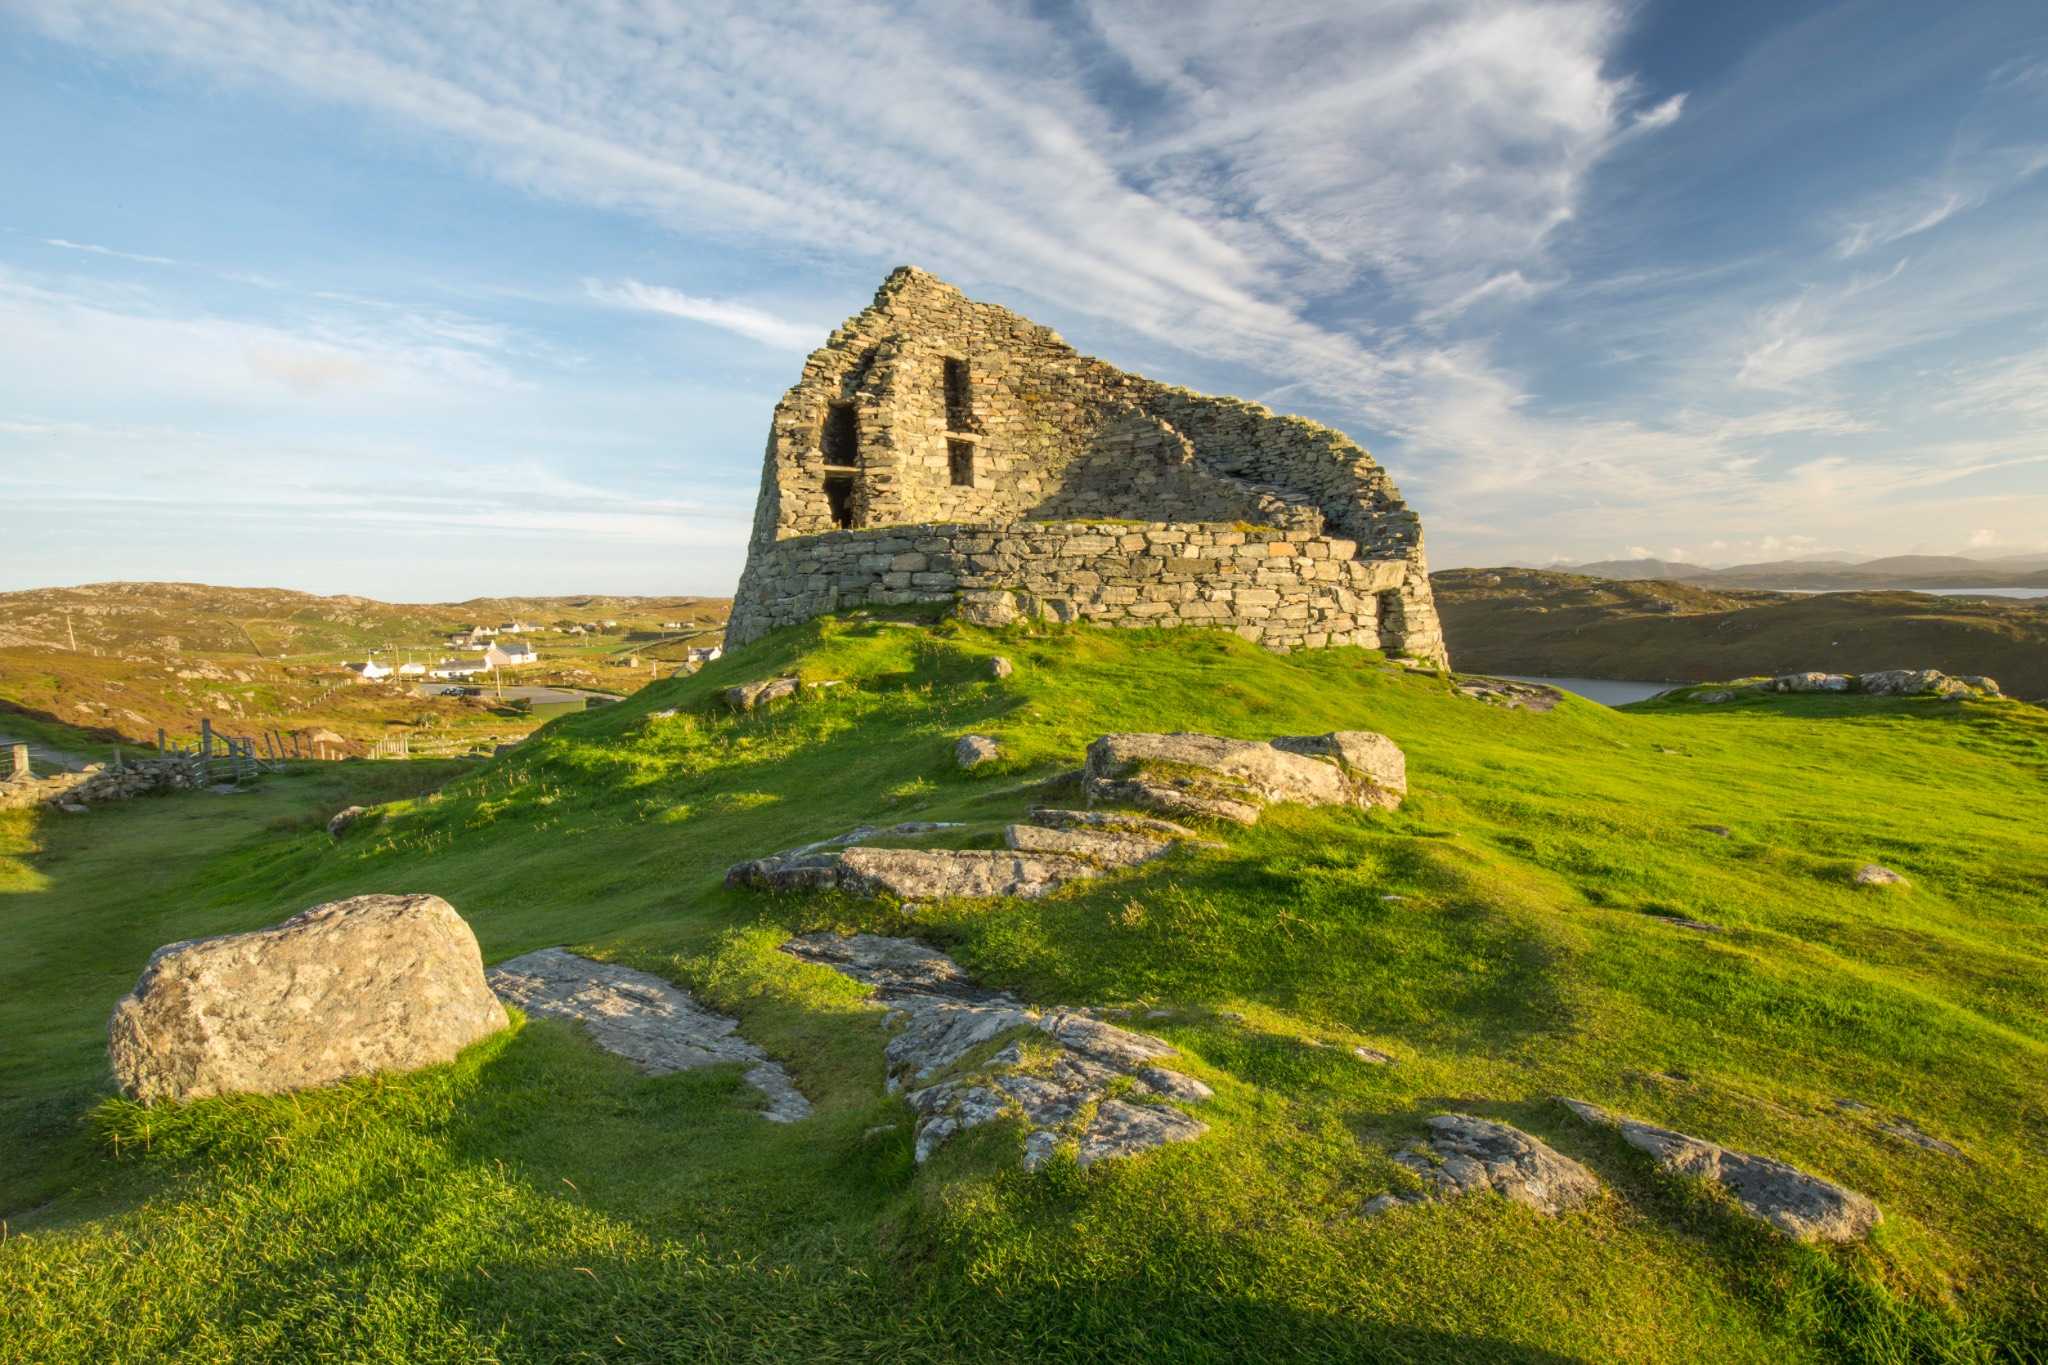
1461,776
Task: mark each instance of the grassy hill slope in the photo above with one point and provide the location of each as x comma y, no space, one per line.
1502,936
1534,621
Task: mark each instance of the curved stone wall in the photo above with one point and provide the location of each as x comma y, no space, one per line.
1286,589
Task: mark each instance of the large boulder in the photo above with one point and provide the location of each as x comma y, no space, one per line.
1234,779
375,983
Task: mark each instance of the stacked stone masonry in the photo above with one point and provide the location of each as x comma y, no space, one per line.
936,446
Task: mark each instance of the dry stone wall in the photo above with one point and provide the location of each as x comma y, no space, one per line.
1283,589
933,426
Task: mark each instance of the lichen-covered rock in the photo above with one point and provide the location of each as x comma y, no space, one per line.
374,983
652,1023
1234,779
754,695
1040,859
974,750
1373,761
1055,1073
1804,1207
338,824
1105,848
1001,667
1466,1155
1873,874
1506,692
1910,682
1811,682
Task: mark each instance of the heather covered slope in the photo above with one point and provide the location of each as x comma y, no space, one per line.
1506,936
1533,621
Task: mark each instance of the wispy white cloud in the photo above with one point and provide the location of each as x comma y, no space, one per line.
93,250
755,324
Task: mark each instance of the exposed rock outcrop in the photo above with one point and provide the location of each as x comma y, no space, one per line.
1040,858
1875,874
1804,1207
754,695
1055,1069
1466,1155
1506,692
375,983
974,750
652,1023
1234,779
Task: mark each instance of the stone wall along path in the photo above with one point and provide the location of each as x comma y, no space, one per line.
652,1023
1054,1074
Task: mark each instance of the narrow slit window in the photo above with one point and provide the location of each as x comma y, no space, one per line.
960,459
841,438
959,397
839,493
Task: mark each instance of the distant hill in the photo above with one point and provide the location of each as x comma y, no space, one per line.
120,660
1639,568
1895,571
1536,621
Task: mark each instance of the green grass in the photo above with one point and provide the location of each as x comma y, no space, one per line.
1500,936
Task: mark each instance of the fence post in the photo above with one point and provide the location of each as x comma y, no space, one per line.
205,737
21,761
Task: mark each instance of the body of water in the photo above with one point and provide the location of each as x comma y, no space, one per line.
1931,592
1606,691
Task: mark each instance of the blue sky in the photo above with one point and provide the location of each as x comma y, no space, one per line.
437,299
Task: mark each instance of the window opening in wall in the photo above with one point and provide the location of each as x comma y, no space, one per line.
841,438
960,458
959,397
839,493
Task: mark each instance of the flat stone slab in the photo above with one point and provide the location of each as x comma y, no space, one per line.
1041,858
1804,1207
652,1023
1466,1155
1515,696
1234,779
1053,1070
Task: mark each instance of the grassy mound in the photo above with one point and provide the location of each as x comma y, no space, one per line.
1507,936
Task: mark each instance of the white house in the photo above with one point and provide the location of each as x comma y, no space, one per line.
411,670
510,654
458,668
704,654
368,669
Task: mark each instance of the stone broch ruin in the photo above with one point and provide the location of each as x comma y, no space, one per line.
940,448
